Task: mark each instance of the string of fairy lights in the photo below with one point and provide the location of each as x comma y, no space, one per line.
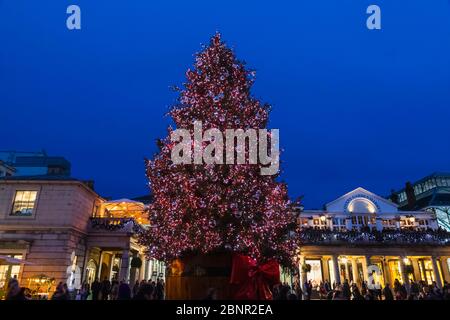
203,208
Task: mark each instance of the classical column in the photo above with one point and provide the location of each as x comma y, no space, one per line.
143,269
386,272
325,268
100,262
150,268
133,272
437,275
337,275
444,268
365,265
111,266
124,265
415,264
347,271
85,262
147,270
355,275
300,270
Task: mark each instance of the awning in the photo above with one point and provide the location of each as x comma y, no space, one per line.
11,260
124,205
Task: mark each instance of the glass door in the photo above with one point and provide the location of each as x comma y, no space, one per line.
426,270
394,268
315,275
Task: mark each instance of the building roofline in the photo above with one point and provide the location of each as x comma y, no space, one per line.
364,191
433,175
48,179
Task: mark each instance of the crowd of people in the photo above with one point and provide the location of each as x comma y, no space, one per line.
104,290
154,290
15,292
351,291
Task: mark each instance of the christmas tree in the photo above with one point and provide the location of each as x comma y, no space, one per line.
198,208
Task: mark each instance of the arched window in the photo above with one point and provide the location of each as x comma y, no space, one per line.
361,205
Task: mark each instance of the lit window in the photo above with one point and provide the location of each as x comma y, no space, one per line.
24,203
9,271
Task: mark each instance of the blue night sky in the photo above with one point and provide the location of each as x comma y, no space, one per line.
354,107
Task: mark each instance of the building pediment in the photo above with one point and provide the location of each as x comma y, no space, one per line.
361,200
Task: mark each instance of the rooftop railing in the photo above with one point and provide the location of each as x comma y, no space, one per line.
115,224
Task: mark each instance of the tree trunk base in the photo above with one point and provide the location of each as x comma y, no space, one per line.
193,277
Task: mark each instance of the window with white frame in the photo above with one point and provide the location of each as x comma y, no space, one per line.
389,224
24,203
8,270
423,224
338,224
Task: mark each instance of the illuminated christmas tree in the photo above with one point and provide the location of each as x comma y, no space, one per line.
198,208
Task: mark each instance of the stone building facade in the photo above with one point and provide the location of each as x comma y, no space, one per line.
62,231
363,237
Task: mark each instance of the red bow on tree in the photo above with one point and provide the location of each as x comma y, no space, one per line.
254,281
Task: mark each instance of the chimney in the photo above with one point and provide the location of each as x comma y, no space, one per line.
410,196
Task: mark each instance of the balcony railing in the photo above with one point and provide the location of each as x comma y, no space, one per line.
404,236
116,224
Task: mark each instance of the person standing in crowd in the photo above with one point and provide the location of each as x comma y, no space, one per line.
298,290
85,292
136,288
276,291
61,292
399,290
145,292
15,292
446,291
414,291
292,296
305,290
387,292
66,292
310,289
346,290
283,291
159,290
322,291
356,295
436,292
124,291
337,293
95,288
105,288
327,286
364,288
114,290
211,294
425,293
